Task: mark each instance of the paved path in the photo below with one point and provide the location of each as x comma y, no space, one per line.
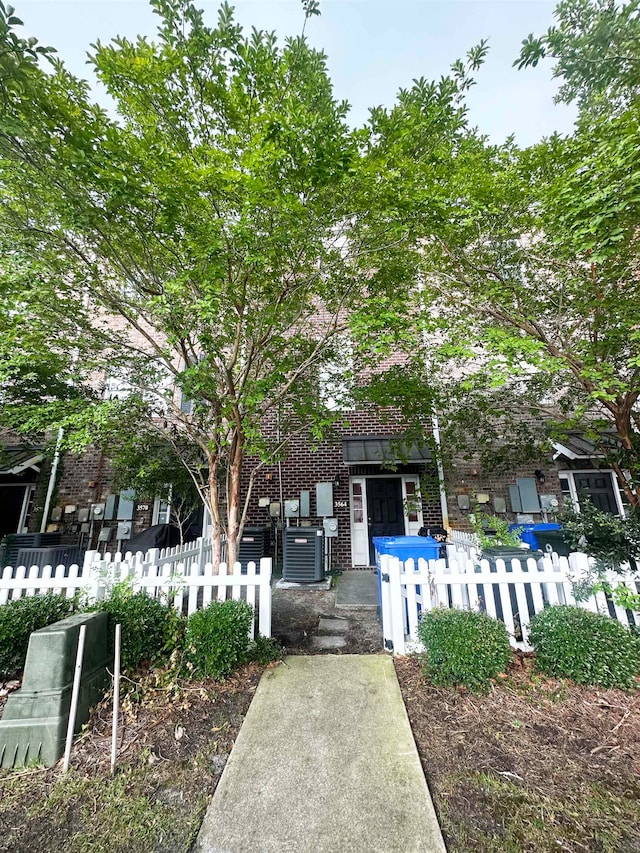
325,762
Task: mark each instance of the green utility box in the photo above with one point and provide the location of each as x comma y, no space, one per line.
34,725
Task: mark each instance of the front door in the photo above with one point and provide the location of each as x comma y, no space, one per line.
598,487
11,503
384,509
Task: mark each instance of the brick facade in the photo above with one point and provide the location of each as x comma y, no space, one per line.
305,466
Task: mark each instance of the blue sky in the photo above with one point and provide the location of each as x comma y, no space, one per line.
374,48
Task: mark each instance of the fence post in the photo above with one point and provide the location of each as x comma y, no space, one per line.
394,569
385,604
265,596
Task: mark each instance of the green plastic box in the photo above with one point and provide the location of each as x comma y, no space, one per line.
34,724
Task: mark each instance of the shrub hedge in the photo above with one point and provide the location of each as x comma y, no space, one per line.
19,618
217,639
149,627
463,647
571,642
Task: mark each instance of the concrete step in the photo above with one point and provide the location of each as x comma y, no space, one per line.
333,626
328,641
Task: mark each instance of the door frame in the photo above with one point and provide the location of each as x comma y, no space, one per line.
358,503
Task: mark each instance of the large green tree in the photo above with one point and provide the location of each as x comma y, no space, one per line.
210,244
595,47
536,271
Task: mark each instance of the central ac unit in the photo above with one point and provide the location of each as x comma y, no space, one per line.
303,554
253,545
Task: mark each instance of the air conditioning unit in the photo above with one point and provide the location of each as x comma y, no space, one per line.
60,555
13,542
254,544
303,554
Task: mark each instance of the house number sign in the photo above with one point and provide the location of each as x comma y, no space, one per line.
341,504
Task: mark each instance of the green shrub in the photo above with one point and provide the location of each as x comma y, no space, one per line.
264,650
588,648
217,639
149,629
463,647
20,617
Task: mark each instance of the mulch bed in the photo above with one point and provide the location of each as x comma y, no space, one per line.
535,764
174,745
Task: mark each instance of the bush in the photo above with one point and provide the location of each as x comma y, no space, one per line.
264,650
217,639
463,647
149,627
19,618
588,648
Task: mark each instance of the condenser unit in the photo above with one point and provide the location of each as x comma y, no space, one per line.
60,555
14,542
254,544
303,554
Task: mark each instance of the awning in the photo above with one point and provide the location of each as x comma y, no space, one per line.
15,460
379,450
576,446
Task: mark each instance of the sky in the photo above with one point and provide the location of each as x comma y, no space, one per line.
374,47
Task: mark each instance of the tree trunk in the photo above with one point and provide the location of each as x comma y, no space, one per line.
214,509
625,432
234,526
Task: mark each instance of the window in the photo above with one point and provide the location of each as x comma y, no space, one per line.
356,503
413,499
335,378
161,510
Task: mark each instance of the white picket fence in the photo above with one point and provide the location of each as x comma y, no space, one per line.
462,541
184,576
512,592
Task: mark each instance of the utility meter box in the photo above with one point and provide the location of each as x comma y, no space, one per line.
110,507
126,505
292,509
324,499
330,527
124,530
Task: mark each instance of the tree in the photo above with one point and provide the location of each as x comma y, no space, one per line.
595,45
536,279
207,248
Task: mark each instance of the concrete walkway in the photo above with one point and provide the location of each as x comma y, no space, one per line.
325,762
357,589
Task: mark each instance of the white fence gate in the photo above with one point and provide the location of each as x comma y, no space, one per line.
184,575
512,591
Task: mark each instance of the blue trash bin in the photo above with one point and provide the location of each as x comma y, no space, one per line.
528,532
404,548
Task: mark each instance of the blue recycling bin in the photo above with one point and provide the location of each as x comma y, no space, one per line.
404,548
528,532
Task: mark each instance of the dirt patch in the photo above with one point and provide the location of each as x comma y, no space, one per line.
296,614
534,765
174,745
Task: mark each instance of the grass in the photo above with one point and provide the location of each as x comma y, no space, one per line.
594,819
131,811
175,740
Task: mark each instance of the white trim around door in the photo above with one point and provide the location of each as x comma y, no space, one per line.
413,519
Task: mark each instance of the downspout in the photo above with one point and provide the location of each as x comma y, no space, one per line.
443,494
56,455
52,481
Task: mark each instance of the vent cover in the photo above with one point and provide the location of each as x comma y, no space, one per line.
303,554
